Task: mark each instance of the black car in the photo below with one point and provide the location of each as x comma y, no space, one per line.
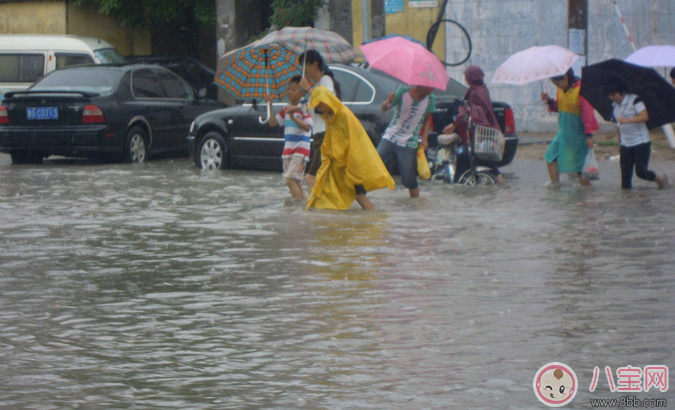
193,71
130,112
234,137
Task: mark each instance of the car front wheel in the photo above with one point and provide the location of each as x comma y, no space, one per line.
213,152
135,148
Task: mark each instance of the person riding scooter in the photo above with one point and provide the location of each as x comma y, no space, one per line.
479,107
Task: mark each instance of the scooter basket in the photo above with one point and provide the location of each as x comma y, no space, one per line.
489,143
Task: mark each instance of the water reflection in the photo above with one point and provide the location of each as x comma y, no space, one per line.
161,286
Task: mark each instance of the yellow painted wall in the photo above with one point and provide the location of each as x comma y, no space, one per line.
412,21
35,17
54,17
88,22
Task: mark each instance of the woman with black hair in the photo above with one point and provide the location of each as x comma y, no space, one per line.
576,123
316,74
631,115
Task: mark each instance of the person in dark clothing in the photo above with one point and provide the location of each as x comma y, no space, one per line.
631,116
479,107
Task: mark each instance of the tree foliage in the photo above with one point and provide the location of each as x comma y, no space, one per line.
296,13
154,13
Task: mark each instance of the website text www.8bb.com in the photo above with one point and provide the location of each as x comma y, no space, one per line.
628,402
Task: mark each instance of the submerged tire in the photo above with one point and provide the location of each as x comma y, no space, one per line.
213,152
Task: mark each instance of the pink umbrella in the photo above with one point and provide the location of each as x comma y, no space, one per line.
407,61
535,63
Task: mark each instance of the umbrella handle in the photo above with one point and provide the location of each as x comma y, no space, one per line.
269,114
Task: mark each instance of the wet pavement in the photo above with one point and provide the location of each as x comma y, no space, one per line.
160,286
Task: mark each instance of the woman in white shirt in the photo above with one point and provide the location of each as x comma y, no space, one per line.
316,74
631,115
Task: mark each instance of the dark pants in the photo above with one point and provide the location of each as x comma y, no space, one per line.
635,157
315,162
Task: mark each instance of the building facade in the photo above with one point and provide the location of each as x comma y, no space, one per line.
61,17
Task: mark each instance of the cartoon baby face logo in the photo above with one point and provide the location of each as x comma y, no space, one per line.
555,384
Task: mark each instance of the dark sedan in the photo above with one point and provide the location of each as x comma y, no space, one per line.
233,137
128,112
189,69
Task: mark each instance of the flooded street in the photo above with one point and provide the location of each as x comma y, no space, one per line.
164,287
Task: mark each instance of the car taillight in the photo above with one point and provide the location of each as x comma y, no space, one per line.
92,115
509,122
4,118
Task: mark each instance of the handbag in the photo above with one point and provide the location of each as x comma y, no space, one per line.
590,171
422,164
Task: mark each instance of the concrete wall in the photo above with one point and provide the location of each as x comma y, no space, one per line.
500,28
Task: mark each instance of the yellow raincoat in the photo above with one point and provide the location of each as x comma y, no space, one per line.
348,158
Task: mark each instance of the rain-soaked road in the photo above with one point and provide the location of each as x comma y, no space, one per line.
163,287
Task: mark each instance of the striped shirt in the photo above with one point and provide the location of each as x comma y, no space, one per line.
296,140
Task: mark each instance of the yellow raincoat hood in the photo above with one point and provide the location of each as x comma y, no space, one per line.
348,157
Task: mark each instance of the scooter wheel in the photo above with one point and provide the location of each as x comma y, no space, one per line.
480,178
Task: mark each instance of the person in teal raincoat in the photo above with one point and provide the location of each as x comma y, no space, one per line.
576,122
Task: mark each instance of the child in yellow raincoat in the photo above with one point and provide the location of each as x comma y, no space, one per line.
350,165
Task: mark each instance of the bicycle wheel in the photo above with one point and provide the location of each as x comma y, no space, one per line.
458,42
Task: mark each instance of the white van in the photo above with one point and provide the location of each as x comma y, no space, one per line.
25,58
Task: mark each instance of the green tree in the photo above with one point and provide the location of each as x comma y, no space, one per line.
296,13
141,13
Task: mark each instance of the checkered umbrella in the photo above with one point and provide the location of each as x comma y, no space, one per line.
332,47
255,70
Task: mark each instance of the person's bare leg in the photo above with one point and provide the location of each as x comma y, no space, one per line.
296,188
415,192
553,172
365,203
310,180
583,181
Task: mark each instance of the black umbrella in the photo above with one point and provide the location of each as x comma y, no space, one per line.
657,94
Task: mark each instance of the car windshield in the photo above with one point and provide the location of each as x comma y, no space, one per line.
109,56
100,80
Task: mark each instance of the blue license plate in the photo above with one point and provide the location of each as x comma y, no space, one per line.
42,113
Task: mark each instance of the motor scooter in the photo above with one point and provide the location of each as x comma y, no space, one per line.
471,163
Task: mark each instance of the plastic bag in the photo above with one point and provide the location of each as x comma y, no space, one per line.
422,164
591,171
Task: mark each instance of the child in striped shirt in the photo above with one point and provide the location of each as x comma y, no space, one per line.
297,123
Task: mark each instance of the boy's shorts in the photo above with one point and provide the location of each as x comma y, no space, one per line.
406,158
294,167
